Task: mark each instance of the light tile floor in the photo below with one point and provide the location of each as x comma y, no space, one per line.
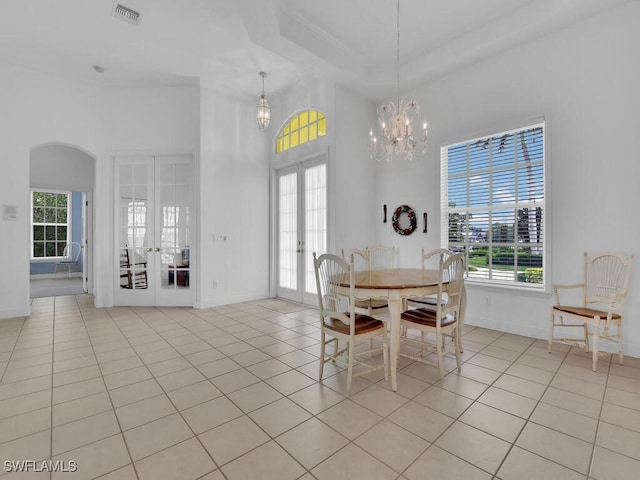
231,393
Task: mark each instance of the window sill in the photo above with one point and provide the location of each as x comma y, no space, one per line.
45,259
534,291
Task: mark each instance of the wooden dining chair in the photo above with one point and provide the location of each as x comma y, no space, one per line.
132,275
599,315
442,322
382,257
341,325
430,261
362,268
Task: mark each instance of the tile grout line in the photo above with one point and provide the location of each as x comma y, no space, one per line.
242,367
528,419
166,394
595,436
113,409
219,467
456,419
53,362
287,396
24,320
182,323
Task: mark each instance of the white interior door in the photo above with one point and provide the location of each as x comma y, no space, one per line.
153,224
302,228
87,253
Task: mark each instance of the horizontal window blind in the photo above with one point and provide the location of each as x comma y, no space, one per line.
493,205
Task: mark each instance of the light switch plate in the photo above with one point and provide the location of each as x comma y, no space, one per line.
10,212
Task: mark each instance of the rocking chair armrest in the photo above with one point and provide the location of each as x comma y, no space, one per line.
557,287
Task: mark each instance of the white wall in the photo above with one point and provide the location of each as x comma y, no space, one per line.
585,80
352,178
39,109
61,166
234,188
233,180
357,210
36,109
153,120
351,192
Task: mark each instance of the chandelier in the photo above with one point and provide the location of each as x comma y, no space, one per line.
263,111
395,121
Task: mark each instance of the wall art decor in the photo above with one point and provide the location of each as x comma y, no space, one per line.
384,211
424,219
400,223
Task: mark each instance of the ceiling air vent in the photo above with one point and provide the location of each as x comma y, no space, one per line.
125,13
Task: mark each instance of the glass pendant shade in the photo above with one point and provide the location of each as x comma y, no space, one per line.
263,113
263,110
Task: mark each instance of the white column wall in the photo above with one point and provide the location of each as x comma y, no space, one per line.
234,192
584,79
36,109
358,211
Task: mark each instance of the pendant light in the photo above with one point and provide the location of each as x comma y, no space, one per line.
263,111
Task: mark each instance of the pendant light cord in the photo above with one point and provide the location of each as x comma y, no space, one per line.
398,52
263,74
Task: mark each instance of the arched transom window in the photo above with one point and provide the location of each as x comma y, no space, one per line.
303,127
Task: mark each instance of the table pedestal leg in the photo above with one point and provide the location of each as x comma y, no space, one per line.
395,310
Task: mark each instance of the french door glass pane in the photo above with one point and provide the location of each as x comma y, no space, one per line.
133,235
315,220
173,187
288,231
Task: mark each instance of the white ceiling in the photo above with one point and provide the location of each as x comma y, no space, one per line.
225,43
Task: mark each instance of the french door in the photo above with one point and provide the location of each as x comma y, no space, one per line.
153,231
302,228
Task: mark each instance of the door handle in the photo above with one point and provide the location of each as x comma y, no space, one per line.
157,249
149,249
300,251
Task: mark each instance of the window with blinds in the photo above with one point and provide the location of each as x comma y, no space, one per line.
493,205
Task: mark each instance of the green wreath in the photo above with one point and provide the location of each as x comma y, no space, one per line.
402,209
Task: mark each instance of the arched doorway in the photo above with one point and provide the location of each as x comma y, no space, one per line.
64,175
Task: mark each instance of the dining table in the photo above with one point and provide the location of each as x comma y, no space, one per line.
395,286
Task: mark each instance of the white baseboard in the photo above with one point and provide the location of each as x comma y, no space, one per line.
542,334
219,301
45,276
15,313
